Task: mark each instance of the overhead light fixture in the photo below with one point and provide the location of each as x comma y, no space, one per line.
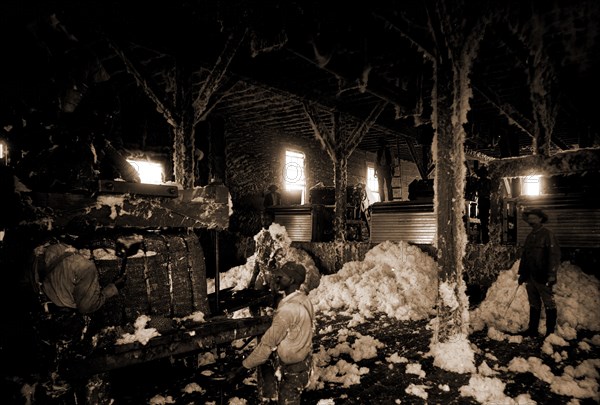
149,172
531,185
3,153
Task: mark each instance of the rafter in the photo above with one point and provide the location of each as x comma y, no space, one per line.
149,88
322,133
416,160
225,91
217,73
359,132
513,115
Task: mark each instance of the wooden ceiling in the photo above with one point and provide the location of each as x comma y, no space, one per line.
261,64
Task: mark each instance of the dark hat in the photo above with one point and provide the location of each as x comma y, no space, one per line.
273,187
536,211
293,270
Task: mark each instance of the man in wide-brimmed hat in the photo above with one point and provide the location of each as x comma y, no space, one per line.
272,197
539,263
535,212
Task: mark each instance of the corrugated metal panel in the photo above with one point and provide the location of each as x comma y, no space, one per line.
574,220
407,221
297,222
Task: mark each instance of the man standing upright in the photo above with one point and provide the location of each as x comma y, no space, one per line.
539,263
384,170
273,197
288,342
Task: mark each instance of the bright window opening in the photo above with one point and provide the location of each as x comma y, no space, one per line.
372,184
295,180
531,185
3,151
149,172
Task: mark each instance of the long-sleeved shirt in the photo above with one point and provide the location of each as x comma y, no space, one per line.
541,255
73,280
290,334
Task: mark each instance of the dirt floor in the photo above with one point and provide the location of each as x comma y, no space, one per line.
164,382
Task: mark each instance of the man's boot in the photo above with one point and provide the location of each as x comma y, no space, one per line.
534,322
550,320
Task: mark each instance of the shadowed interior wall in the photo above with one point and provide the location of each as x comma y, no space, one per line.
256,159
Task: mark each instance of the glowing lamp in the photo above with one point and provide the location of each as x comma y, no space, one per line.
149,172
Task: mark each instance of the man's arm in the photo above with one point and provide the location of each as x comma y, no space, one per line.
255,272
88,294
522,270
269,341
554,256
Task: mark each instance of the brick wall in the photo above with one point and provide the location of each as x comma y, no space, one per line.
405,170
256,158
408,172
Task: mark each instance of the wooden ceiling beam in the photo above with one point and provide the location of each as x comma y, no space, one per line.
513,115
359,132
149,88
301,99
416,160
370,88
217,73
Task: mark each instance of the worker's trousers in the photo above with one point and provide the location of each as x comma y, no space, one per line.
294,379
538,293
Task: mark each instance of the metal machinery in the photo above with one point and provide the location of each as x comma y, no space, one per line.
314,222
410,221
166,280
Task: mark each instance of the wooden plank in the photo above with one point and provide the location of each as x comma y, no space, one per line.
122,187
158,275
197,273
180,277
207,208
188,341
135,292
